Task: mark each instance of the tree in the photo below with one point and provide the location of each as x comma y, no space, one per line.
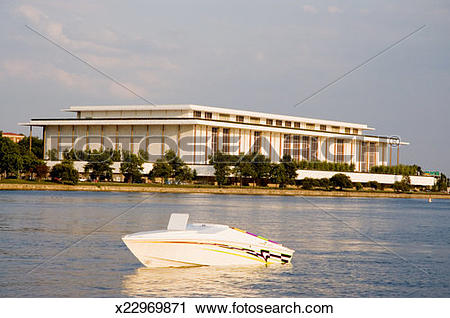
132,168
184,174
161,169
65,172
402,186
41,171
358,186
144,155
171,166
221,164
290,168
99,165
52,154
341,181
260,168
441,184
116,156
29,163
278,175
180,171
37,146
243,167
406,181
11,161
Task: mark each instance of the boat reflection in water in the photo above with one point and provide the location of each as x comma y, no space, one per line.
204,281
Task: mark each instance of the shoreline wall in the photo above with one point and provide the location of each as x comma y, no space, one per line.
238,191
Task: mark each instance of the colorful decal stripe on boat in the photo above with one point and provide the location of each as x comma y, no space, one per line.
235,254
263,255
262,238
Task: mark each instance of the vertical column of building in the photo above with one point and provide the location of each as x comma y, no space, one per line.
270,146
73,136
390,155
351,151
206,144
162,141
44,135
319,148
360,155
131,139
147,137
87,137
30,138
101,138
334,149
58,140
195,141
116,147
280,154
398,154
178,140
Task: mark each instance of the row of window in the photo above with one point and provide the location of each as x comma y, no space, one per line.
256,147
278,123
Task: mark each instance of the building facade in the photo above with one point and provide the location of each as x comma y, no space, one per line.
195,132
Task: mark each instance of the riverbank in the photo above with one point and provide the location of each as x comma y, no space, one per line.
214,190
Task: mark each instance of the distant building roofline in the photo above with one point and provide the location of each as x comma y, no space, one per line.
12,134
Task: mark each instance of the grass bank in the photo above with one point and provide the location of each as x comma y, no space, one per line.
122,187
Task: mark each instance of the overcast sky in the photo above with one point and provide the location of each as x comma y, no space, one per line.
255,55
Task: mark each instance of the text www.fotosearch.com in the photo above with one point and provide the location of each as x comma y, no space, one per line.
245,308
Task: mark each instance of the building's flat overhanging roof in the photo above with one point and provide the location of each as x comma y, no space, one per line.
229,111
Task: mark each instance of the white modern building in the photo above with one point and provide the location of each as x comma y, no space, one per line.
195,132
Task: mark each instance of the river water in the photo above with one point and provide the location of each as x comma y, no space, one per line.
68,244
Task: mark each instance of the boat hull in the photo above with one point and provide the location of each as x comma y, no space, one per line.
171,253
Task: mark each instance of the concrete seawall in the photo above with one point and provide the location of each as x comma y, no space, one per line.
239,191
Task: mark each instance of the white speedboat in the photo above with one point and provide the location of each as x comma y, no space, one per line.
199,244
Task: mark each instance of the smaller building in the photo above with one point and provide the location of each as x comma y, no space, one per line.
14,137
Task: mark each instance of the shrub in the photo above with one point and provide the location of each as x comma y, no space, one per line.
324,183
374,185
358,186
399,169
53,154
65,172
41,171
341,181
325,166
402,186
309,183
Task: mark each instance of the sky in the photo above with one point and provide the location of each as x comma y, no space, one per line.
260,55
